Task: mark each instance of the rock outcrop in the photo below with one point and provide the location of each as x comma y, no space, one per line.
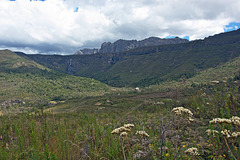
125,45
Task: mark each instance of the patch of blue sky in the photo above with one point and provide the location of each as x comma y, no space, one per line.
170,37
232,26
76,9
12,0
186,37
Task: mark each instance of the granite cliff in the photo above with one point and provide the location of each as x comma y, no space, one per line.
126,45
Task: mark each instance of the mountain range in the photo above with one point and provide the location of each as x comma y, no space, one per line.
125,45
146,65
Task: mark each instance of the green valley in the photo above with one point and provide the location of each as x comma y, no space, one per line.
186,103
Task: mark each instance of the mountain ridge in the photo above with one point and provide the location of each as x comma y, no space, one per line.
122,45
150,64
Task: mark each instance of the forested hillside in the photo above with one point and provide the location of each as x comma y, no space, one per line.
24,83
149,65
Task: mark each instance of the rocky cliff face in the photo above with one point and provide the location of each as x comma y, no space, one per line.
118,46
125,45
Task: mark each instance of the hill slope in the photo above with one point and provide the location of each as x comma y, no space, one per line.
23,80
149,65
11,62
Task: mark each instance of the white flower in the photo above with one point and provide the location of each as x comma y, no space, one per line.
129,126
212,132
220,121
226,132
123,134
182,110
120,129
236,120
142,133
235,134
192,151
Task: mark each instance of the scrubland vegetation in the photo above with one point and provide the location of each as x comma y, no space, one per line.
34,90
180,127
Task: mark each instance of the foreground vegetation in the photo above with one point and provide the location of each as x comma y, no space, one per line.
157,128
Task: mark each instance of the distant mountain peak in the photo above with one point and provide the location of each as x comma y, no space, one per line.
125,45
122,45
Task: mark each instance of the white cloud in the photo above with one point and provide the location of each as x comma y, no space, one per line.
55,26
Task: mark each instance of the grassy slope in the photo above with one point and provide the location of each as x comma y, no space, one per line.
220,73
10,62
25,80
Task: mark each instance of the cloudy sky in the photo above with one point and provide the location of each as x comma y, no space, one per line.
64,26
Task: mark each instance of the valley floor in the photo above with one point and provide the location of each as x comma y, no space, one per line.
130,125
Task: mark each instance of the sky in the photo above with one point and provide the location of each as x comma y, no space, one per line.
65,26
